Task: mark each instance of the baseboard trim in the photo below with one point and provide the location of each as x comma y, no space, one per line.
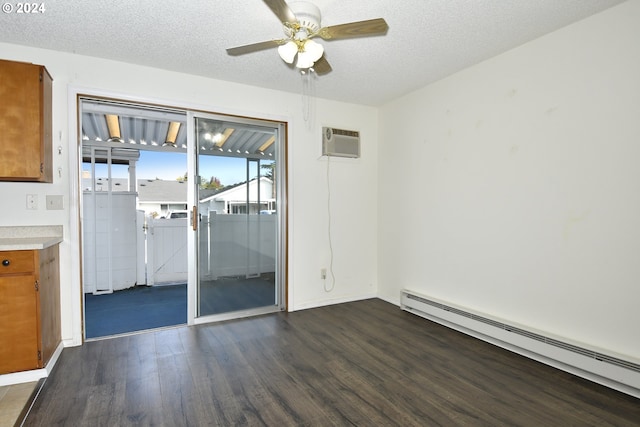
34,374
325,302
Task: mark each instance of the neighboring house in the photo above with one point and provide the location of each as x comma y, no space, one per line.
158,197
233,199
155,196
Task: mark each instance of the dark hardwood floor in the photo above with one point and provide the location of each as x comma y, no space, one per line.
365,363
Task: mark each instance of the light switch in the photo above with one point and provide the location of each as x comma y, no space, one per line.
54,203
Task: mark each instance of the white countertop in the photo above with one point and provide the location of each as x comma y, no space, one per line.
29,237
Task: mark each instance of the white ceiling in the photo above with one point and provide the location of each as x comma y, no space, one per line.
427,39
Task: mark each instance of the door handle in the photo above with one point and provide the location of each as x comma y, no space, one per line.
194,218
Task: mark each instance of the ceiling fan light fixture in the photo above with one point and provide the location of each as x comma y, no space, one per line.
304,61
307,14
301,21
288,51
310,53
314,49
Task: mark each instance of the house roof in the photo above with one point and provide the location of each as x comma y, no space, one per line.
149,190
228,188
159,190
426,40
156,190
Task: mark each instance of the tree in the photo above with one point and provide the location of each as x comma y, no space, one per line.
212,184
269,169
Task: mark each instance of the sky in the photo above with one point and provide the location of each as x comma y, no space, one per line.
169,166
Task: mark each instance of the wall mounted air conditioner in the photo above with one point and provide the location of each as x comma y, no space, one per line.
340,142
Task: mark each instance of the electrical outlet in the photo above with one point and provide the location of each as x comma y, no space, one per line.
323,273
32,201
54,203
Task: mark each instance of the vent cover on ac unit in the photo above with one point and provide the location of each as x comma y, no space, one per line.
340,142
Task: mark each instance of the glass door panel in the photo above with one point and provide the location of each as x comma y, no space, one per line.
238,221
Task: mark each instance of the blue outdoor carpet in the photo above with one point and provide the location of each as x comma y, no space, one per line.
149,307
135,309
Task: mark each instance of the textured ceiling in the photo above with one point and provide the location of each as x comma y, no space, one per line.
427,39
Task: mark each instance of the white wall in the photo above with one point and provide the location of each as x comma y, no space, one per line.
513,187
352,190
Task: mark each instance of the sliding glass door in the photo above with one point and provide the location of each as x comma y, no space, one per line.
236,216
180,205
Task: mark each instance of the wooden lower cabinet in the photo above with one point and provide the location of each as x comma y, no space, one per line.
29,308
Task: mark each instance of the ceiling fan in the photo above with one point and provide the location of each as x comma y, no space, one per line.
301,23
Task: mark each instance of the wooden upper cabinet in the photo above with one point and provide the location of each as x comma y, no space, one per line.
25,122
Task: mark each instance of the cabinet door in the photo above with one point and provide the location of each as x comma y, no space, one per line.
18,323
25,141
49,300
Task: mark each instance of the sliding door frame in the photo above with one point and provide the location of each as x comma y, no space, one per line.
74,145
280,131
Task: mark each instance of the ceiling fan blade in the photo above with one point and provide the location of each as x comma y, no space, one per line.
371,27
249,48
282,11
322,66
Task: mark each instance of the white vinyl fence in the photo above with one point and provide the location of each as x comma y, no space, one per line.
166,250
110,236
230,245
237,245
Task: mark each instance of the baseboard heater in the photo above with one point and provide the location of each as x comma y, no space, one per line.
605,369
